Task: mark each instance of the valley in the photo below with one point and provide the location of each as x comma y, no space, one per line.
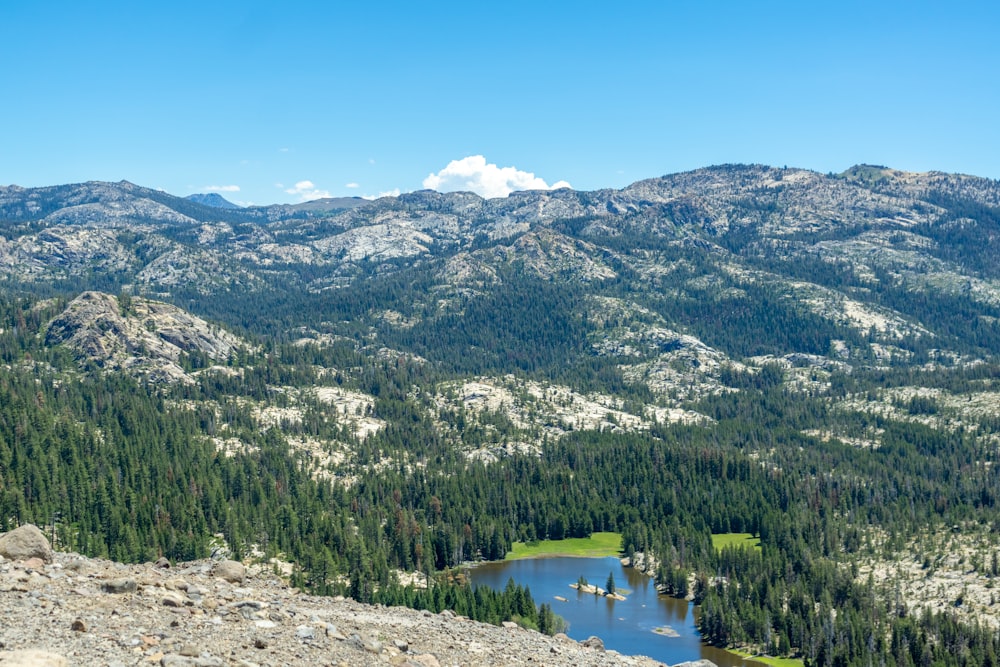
418,382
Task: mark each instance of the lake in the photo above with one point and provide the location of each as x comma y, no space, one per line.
625,626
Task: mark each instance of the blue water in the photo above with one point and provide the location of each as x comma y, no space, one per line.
624,626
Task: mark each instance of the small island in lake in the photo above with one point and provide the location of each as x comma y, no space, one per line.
609,591
597,590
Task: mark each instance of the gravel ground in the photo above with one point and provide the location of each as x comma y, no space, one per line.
94,612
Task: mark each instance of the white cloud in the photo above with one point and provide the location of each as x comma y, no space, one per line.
221,188
474,174
307,191
352,185
388,193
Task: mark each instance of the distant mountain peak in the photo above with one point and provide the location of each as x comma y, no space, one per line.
328,204
213,199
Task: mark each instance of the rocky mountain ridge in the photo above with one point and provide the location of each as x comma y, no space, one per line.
870,268
763,210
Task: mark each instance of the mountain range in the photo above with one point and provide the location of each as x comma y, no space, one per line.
670,285
424,379
847,252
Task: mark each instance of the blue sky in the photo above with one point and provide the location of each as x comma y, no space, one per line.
292,101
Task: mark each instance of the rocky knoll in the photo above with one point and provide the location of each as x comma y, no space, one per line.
73,610
138,335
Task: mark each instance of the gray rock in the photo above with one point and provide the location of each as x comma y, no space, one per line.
190,650
305,632
18,576
595,643
424,660
162,563
173,600
250,604
25,542
230,570
697,663
118,586
174,660
367,645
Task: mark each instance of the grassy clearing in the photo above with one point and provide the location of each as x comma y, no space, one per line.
767,660
723,540
598,545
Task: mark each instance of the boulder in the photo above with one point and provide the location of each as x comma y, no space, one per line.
230,570
25,542
595,643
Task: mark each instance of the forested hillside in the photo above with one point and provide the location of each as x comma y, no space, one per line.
406,385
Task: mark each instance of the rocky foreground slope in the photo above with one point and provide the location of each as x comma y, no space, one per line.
64,609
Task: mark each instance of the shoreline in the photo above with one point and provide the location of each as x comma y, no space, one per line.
664,629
